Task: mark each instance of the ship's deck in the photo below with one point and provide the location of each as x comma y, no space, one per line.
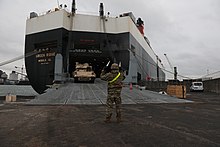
88,94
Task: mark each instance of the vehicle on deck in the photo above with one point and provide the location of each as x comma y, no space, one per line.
197,86
84,73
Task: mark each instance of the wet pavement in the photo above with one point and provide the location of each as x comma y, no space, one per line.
73,114
150,124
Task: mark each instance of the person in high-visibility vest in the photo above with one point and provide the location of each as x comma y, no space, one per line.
114,78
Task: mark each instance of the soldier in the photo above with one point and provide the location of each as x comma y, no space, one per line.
114,78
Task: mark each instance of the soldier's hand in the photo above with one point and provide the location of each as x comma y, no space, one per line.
120,68
106,69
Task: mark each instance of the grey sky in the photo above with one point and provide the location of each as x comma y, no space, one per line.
187,31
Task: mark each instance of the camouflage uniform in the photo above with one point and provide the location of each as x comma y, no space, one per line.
114,91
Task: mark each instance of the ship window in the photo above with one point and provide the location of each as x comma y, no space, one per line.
87,47
47,46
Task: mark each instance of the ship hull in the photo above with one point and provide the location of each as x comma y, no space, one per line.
86,39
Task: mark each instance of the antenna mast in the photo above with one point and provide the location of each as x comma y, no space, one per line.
73,7
58,4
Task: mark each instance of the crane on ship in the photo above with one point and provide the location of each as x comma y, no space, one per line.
19,58
174,69
171,66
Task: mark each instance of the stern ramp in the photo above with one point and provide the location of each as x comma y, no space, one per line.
89,93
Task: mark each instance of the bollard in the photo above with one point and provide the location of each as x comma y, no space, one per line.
13,98
10,98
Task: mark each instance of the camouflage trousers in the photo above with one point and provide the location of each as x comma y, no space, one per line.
111,99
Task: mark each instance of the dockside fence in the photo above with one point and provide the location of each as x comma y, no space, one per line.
212,85
209,85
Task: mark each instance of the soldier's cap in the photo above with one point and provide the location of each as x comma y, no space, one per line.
114,66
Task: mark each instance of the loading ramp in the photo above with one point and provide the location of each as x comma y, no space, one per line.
93,94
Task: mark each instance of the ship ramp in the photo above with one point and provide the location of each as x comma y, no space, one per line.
96,93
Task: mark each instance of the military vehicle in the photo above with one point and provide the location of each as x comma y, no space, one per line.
84,73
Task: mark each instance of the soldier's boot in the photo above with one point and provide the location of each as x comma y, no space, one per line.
108,119
118,117
119,120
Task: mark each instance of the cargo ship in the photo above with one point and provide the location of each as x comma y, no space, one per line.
57,39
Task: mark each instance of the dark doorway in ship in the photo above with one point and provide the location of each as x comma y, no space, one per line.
97,63
138,77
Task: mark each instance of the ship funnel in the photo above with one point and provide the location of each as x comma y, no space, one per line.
140,25
101,10
74,7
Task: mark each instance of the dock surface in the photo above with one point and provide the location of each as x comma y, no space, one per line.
194,124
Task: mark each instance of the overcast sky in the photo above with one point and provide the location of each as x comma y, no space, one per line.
187,31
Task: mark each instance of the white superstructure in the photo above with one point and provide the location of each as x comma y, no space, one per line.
88,23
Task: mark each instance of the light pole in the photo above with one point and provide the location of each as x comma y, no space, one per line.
157,68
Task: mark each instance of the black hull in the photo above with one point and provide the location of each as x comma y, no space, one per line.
94,48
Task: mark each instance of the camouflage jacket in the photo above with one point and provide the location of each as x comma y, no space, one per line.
110,76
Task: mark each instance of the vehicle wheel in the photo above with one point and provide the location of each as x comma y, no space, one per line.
92,80
75,80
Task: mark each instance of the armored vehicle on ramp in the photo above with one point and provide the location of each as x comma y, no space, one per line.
84,73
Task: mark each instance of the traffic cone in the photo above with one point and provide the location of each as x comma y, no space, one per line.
130,86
